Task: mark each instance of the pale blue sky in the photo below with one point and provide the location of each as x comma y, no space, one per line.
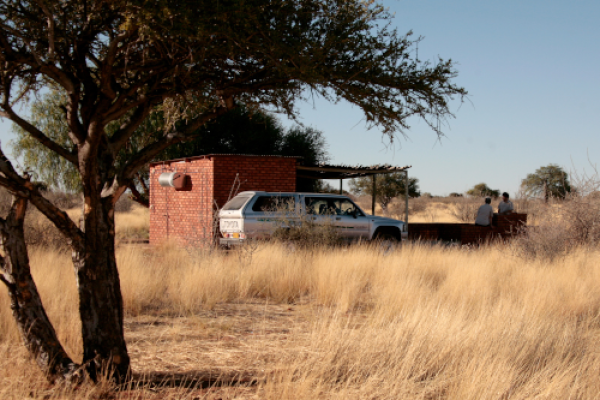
531,69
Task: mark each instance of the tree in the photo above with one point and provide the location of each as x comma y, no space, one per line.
123,63
483,190
548,181
389,186
239,131
42,163
320,186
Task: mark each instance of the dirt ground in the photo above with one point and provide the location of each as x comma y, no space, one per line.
221,353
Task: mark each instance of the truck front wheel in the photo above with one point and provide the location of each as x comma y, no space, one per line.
391,234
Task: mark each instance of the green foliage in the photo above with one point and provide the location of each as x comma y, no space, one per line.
550,180
244,131
483,190
389,186
325,187
129,99
239,131
41,163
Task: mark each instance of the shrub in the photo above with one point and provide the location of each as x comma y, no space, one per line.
302,230
465,209
562,225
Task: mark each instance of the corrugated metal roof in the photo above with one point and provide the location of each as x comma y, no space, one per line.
331,171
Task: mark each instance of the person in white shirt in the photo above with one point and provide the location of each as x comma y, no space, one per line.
505,207
485,214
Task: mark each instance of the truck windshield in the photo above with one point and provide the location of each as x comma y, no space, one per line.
236,203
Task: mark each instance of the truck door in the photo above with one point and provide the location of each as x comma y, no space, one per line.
268,212
350,222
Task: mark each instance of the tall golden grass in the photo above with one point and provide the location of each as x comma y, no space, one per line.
421,322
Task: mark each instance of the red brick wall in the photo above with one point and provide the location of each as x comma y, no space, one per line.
184,216
187,216
269,174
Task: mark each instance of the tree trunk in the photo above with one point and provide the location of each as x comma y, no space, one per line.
33,323
100,300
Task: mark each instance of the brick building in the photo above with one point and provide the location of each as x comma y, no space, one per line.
187,215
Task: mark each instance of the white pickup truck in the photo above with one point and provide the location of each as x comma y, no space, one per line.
252,215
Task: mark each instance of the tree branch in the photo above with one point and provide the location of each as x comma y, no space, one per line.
36,133
148,153
120,137
50,17
22,187
138,197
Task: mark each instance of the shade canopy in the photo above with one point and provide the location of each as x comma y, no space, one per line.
328,171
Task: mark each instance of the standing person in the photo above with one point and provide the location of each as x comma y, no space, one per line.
505,207
485,213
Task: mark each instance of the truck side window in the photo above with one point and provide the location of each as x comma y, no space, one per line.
274,204
330,206
346,207
319,206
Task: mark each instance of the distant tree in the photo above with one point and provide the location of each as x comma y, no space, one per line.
389,186
483,190
455,194
320,186
548,181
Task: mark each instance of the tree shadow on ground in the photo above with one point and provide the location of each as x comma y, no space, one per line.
195,379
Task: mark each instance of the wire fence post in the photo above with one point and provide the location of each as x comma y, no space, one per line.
374,177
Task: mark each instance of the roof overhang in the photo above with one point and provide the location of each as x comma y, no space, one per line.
327,171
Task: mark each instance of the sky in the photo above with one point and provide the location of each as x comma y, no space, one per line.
531,70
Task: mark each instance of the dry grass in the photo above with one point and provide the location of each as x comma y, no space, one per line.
417,323
133,224
423,209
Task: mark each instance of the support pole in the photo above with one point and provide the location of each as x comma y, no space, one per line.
406,197
341,191
374,177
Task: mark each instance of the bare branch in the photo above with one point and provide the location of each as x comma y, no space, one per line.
137,196
120,137
148,153
36,133
50,17
22,187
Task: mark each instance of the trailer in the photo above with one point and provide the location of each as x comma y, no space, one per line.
503,227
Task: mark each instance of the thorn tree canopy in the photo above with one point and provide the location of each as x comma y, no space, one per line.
548,181
389,186
239,131
121,60
483,190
